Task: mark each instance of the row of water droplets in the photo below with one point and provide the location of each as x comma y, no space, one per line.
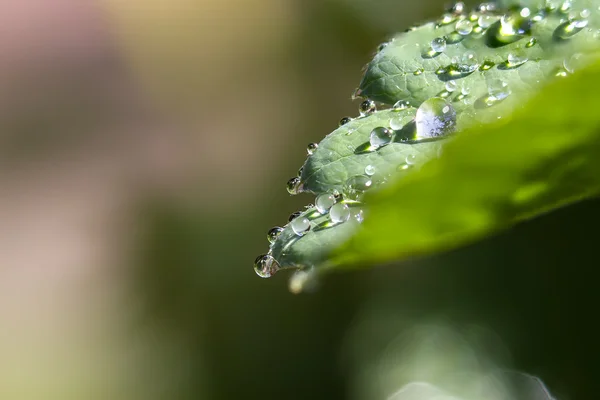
501,29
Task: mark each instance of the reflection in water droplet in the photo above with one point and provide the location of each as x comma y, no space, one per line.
300,225
265,266
468,62
344,121
464,27
324,202
339,213
486,65
380,137
516,58
435,117
311,148
370,170
356,186
486,20
359,216
293,185
401,105
367,107
573,63
498,90
274,233
450,86
438,44
568,29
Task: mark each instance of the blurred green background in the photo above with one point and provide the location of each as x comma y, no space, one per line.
145,149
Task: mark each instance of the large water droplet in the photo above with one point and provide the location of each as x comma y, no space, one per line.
293,185
370,170
464,27
265,266
300,225
311,148
367,107
438,44
356,186
324,202
435,117
339,213
274,233
380,137
344,121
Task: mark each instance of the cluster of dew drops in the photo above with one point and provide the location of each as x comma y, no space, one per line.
501,29
435,117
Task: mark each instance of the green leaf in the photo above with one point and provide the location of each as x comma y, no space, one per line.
407,69
346,152
544,156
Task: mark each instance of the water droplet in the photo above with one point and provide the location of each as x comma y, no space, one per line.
294,215
380,137
359,216
486,20
487,7
450,86
265,266
367,107
418,71
411,159
274,233
401,105
531,42
435,117
468,62
311,148
486,65
370,170
465,90
324,202
516,58
344,121
568,29
438,44
457,8
585,13
356,186
447,19
293,185
498,90
382,46
464,27
573,63
565,7
561,73
300,225
514,24
340,212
